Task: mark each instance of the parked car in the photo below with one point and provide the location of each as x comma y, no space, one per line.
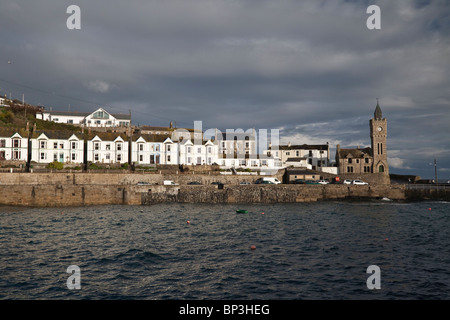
216,182
143,183
347,181
262,180
323,181
194,183
298,181
244,182
311,182
359,182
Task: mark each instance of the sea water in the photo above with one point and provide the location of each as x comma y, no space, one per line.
316,250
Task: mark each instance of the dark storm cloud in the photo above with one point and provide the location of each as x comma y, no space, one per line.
310,68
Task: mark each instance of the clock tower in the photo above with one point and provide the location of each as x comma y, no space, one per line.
378,137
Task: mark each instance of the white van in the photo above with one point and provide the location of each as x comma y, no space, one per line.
268,180
169,183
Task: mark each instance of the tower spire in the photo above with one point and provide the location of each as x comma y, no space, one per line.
377,114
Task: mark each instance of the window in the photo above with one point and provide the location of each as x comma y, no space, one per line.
141,147
96,157
55,145
288,153
61,145
107,156
350,160
366,160
189,160
108,147
119,157
310,153
119,147
199,150
16,155
357,160
349,169
141,158
70,121
55,156
168,158
297,153
2,155
74,145
16,143
189,150
43,145
100,115
43,156
209,149
96,146
2,143
74,156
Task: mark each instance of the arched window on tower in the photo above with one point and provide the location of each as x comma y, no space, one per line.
381,168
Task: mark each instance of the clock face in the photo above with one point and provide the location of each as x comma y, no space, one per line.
380,129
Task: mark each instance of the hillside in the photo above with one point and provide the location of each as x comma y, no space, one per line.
16,116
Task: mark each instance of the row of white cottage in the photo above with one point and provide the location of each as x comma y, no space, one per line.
111,148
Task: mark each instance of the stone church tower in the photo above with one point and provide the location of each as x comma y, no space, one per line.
378,137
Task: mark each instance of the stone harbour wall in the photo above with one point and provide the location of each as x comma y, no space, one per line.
83,189
241,194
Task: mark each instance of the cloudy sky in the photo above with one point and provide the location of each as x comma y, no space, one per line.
309,68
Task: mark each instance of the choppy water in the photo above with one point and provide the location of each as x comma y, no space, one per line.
303,251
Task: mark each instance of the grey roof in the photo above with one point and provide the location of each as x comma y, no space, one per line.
355,153
378,115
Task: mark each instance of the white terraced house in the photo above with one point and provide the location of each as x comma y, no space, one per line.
118,148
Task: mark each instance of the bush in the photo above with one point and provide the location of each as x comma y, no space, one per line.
55,165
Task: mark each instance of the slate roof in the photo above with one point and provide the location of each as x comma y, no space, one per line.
355,153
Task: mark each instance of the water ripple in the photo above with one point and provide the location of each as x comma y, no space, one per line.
303,251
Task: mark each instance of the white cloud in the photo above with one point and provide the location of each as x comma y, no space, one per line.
98,86
398,163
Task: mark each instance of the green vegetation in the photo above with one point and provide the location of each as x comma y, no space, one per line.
55,165
17,116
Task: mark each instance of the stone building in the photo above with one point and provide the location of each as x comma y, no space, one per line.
368,163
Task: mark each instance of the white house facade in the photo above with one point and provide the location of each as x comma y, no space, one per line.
115,148
100,118
14,148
